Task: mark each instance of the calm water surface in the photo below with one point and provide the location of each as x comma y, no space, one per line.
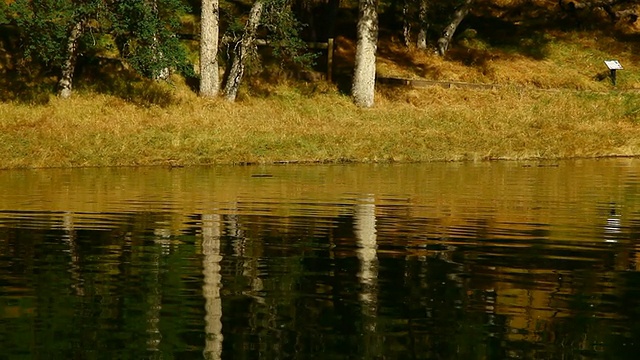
434,261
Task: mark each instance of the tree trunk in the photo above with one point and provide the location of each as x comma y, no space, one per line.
422,18
364,78
447,34
406,23
163,73
209,28
241,51
65,85
212,284
365,231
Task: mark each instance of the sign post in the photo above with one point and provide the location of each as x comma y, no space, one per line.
613,65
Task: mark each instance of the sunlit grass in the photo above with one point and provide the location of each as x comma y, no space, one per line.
549,60
555,100
406,125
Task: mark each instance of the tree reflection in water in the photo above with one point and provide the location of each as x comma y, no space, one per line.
433,261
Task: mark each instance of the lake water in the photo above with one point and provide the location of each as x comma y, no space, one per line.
418,261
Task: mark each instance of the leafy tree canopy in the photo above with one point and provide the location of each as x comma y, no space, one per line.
284,32
145,33
4,13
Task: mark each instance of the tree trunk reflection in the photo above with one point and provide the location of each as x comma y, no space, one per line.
212,284
365,229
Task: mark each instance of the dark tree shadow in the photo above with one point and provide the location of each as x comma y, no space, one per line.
21,80
27,81
518,29
518,38
112,76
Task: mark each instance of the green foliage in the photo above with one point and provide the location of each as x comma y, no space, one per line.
231,15
284,33
145,33
4,13
44,26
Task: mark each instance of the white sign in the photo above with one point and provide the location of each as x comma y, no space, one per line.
613,64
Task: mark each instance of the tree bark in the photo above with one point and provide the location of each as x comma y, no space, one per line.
242,50
422,18
364,78
209,31
447,34
163,73
406,23
65,85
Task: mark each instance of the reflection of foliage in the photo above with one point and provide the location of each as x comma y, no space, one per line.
293,291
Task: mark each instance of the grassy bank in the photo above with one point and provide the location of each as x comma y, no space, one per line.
554,100
290,125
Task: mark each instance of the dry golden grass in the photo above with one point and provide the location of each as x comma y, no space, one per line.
542,58
118,119
289,125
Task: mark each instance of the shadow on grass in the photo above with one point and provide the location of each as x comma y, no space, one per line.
24,87
264,77
508,31
111,76
343,63
26,81
518,38
477,42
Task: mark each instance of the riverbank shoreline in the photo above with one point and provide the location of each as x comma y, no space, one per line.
293,125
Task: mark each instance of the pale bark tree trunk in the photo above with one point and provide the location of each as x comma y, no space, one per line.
241,51
364,78
406,23
209,29
77,282
366,237
65,85
211,269
447,34
154,302
164,73
422,18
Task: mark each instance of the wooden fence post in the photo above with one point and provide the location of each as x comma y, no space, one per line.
329,59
